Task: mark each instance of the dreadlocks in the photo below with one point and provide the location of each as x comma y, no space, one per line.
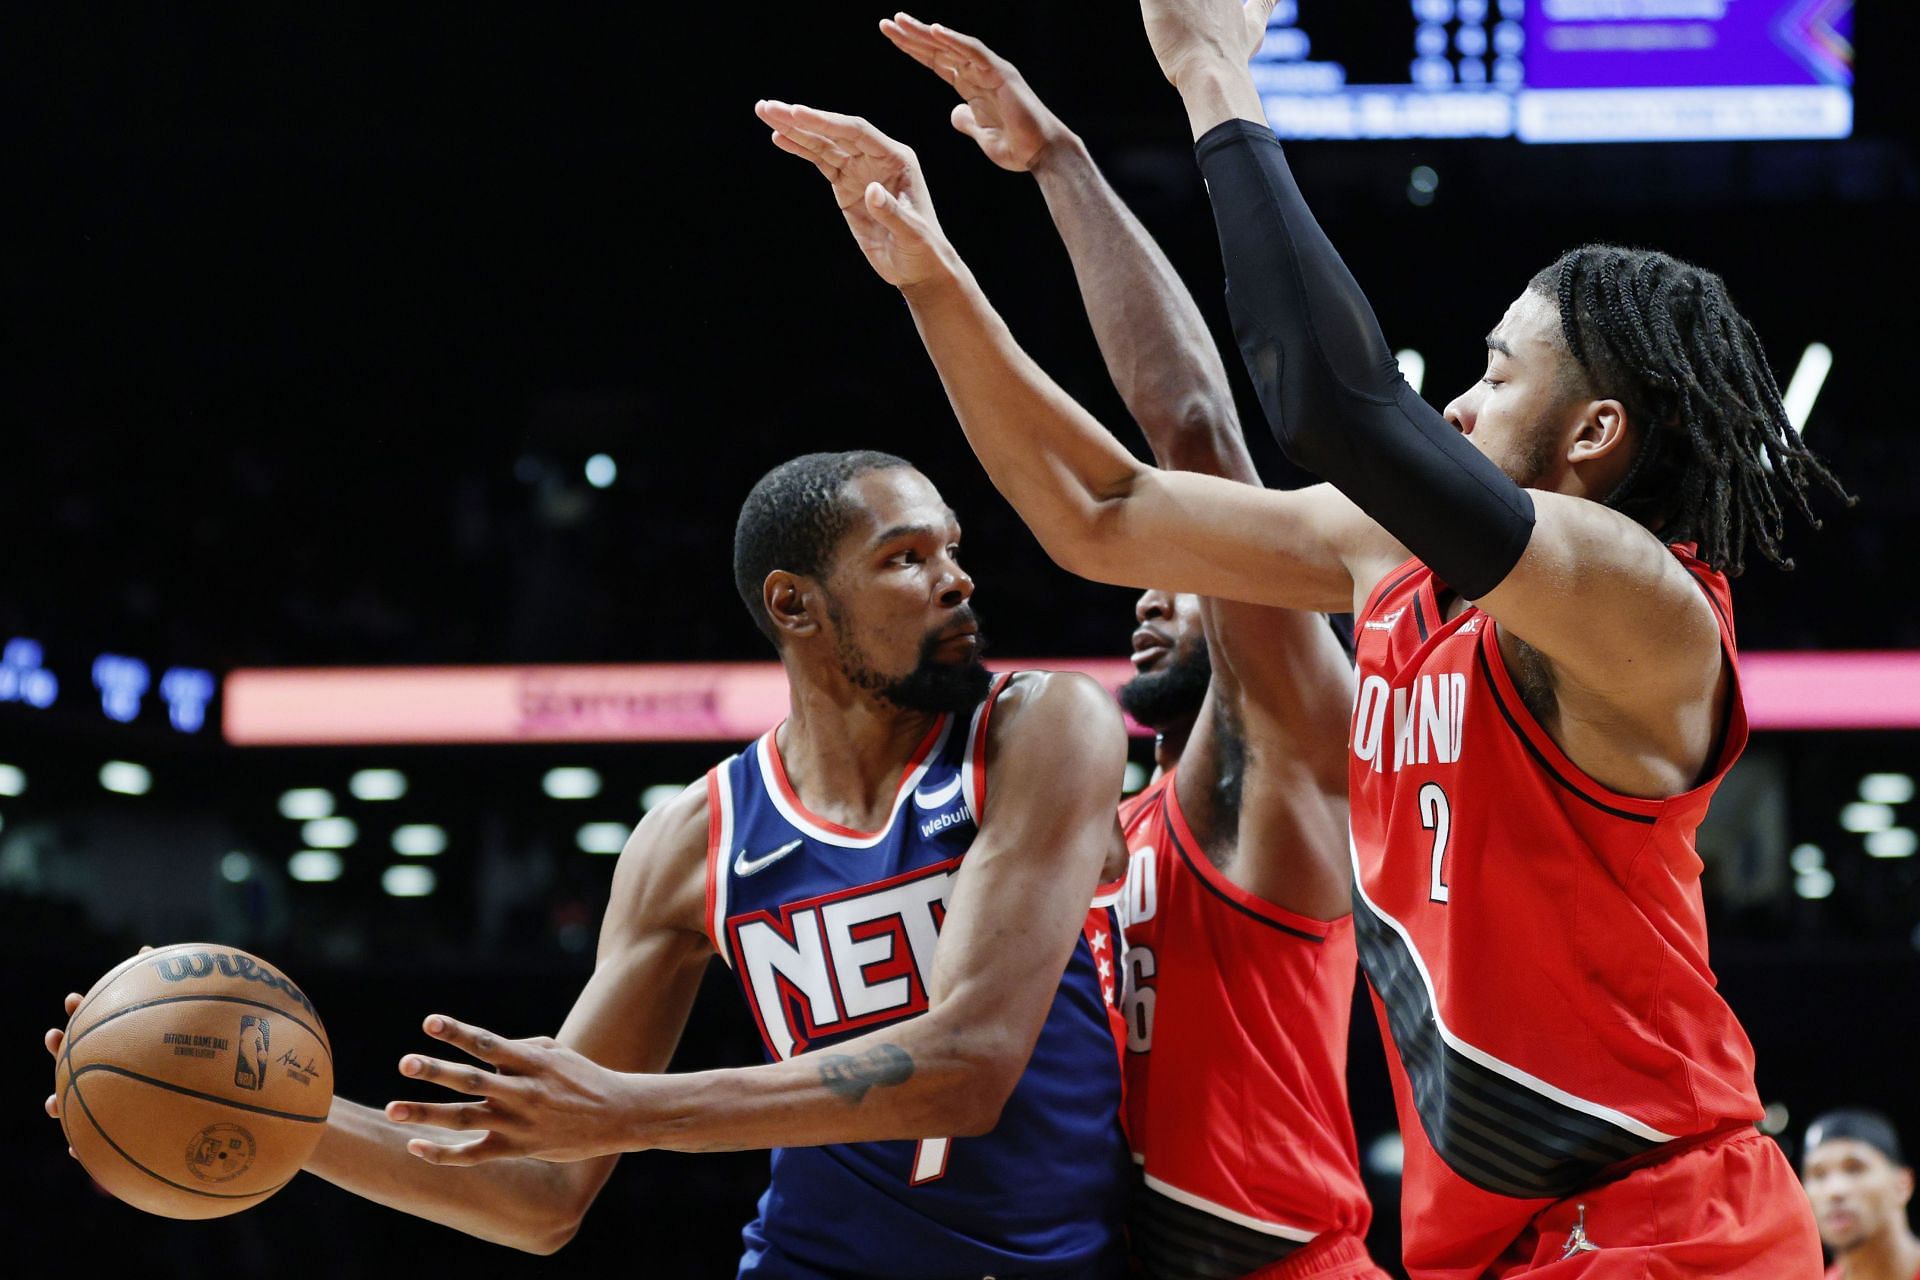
1717,454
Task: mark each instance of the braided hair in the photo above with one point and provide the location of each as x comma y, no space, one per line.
1717,455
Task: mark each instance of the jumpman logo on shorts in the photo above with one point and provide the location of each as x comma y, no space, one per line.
1577,1241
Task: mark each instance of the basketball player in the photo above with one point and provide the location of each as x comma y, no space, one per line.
1548,685
959,1102
1239,926
1861,1185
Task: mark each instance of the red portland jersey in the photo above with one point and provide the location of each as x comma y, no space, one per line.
1536,943
1237,1013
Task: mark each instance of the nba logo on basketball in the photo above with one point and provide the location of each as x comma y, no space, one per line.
250,1057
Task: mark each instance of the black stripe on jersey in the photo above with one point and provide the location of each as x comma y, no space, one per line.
1491,1130
1381,593
1173,1241
1419,616
1713,600
1493,687
1166,824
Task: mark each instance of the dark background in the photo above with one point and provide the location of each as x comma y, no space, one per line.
312,318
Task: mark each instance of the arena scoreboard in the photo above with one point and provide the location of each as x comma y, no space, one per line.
1555,71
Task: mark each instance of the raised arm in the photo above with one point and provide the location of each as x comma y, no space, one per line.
1156,344
1266,766
1095,508
1569,577
1017,907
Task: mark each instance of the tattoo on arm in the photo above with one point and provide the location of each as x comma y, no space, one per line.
851,1077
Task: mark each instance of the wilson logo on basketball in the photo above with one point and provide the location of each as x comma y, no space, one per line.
202,964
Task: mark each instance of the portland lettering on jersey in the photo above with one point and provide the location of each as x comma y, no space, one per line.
1413,724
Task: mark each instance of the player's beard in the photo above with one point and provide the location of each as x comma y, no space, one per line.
932,685
1171,696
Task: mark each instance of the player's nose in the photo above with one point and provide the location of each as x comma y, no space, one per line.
1460,413
956,588
1153,603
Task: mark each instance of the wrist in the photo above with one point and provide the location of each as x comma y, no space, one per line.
1217,91
648,1106
1062,149
948,279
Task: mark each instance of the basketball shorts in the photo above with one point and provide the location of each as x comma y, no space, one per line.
1730,1208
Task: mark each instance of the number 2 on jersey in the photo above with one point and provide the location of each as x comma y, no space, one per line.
1437,818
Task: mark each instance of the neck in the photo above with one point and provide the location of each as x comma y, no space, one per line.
1894,1254
1170,743
844,749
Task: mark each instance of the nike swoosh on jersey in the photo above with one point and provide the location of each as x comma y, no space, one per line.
939,798
745,866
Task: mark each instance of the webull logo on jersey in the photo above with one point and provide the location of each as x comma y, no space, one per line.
843,961
1416,724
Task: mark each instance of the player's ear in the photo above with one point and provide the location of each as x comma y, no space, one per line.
789,603
1601,432
1903,1178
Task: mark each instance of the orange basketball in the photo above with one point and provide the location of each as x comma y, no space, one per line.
194,1081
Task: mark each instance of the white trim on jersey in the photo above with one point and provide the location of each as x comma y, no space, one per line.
723,869
1247,1220
966,760
1481,1056
762,753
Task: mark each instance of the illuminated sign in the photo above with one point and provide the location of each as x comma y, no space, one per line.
733,702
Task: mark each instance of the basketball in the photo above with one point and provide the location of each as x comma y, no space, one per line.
194,1081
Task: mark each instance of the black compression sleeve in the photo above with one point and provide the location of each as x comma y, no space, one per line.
1332,392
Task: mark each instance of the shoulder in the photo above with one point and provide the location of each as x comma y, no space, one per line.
661,877
1043,703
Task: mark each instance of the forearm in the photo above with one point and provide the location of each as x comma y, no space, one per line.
1328,382
525,1204
917,1080
1156,344
1059,468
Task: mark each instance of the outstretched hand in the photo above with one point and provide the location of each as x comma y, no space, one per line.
1000,110
541,1100
876,182
1188,35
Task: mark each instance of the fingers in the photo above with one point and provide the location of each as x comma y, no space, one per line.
444,1115
72,1002
482,1149
54,1039
919,48
52,1105
478,1041
961,60
452,1075
964,45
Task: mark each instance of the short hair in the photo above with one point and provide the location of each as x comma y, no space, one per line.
1717,456
793,519
1860,1125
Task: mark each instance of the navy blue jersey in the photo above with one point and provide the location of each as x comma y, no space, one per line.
831,933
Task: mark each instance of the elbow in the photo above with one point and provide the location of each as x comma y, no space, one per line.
558,1218
1200,432
551,1235
971,1106
1093,542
